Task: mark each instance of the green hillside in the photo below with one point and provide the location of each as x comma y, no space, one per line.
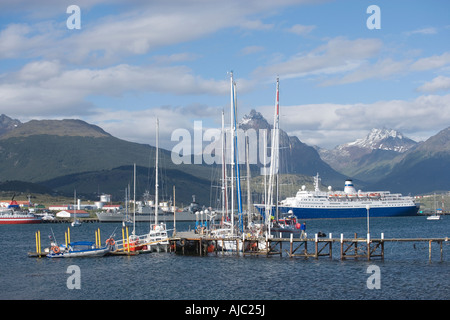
116,180
76,155
424,169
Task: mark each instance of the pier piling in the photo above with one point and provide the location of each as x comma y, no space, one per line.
350,248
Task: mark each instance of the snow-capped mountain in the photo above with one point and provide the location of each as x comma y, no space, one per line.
368,157
422,169
384,139
295,156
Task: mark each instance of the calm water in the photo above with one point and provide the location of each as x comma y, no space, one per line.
405,272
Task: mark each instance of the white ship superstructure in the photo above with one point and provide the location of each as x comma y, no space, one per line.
349,203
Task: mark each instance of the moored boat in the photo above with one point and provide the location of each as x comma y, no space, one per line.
10,216
80,249
287,224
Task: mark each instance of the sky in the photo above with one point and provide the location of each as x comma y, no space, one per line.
343,69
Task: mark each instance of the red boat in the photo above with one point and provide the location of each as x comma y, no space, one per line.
13,215
8,216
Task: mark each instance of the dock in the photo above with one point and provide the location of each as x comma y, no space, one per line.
349,248
191,243
70,220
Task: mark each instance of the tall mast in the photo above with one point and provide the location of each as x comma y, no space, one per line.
74,205
224,172
277,150
238,172
156,174
265,171
232,153
134,199
249,200
273,158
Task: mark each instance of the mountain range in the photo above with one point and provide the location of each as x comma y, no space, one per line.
385,159
68,155
63,155
422,169
370,157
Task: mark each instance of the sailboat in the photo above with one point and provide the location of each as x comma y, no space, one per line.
157,238
227,229
435,215
288,222
127,221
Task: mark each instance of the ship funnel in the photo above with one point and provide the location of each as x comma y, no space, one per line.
349,188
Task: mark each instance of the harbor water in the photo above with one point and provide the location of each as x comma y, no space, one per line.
405,273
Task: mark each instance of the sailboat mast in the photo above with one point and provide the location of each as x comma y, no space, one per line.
134,199
238,172
156,174
265,164
277,150
249,200
273,158
75,205
224,172
232,153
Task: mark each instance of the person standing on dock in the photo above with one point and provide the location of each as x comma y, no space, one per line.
303,229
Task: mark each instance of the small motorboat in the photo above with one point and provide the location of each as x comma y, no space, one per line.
286,224
80,249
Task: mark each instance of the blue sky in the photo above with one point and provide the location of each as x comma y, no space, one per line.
133,61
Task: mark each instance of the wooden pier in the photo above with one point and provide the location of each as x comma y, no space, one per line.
70,220
198,244
350,248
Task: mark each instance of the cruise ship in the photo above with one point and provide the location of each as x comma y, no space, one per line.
349,203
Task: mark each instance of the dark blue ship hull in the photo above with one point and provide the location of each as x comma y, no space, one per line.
327,213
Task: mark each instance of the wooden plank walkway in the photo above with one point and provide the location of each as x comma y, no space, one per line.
350,248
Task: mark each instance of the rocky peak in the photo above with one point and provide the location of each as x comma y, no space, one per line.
384,139
254,120
7,124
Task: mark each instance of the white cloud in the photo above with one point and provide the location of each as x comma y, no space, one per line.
337,55
382,69
137,30
429,30
45,87
175,57
256,25
26,41
252,49
139,126
331,124
301,30
433,62
437,84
